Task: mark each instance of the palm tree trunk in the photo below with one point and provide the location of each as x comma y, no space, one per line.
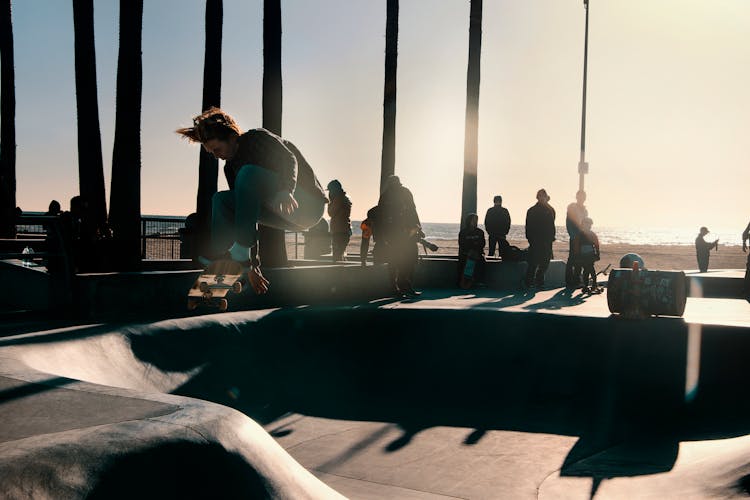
208,165
125,197
388,159
90,165
272,248
7,124
471,138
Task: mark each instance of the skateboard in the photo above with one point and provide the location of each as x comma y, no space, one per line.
213,285
467,275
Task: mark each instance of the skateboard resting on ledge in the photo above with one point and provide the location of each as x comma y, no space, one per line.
213,285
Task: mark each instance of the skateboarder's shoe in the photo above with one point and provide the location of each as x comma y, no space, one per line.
410,292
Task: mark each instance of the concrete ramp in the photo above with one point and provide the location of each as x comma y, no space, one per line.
472,395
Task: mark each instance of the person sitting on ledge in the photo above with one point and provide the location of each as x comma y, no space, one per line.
471,246
270,183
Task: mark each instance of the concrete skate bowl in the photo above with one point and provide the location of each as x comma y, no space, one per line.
605,381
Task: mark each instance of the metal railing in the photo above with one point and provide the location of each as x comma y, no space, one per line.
161,239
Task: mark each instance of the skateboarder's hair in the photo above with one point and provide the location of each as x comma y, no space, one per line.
211,124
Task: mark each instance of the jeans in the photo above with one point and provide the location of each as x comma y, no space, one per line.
237,213
540,253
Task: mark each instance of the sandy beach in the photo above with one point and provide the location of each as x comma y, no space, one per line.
664,257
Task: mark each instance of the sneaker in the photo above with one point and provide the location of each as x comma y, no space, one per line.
585,290
410,292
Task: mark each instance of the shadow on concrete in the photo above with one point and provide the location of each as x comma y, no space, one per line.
617,385
180,470
564,298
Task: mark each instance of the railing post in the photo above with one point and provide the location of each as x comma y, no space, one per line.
143,238
296,245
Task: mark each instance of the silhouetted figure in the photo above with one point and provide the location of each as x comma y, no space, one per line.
540,232
585,252
745,242
54,208
317,240
573,219
369,230
340,211
471,245
399,230
268,184
703,249
497,224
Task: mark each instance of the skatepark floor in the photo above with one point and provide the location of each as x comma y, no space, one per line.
454,394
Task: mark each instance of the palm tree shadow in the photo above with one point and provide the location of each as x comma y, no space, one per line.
563,298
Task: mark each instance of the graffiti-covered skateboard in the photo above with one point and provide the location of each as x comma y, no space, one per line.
213,285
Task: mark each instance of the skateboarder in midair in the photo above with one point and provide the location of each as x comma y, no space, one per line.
270,183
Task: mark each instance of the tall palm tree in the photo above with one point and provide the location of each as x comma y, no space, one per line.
125,196
90,165
471,138
7,124
388,158
208,165
272,250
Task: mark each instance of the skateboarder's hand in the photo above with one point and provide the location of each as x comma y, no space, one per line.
257,281
284,203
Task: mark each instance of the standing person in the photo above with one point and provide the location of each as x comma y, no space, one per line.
54,208
585,253
340,211
540,232
471,245
703,249
573,220
368,233
270,183
497,224
746,236
399,230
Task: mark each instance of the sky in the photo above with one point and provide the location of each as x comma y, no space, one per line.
667,118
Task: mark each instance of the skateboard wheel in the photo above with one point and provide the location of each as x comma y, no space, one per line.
192,304
203,286
237,287
223,305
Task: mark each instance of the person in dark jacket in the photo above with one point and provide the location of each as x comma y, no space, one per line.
585,252
340,211
574,216
540,232
497,224
270,183
703,249
399,230
471,245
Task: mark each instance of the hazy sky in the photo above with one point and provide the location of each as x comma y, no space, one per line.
667,122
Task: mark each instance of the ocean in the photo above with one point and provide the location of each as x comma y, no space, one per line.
168,225
607,235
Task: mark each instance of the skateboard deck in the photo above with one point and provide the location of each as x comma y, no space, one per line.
213,285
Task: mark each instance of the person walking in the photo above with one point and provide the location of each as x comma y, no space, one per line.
270,183
497,225
340,211
575,214
703,249
540,232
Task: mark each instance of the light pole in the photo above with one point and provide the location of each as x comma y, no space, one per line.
583,166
